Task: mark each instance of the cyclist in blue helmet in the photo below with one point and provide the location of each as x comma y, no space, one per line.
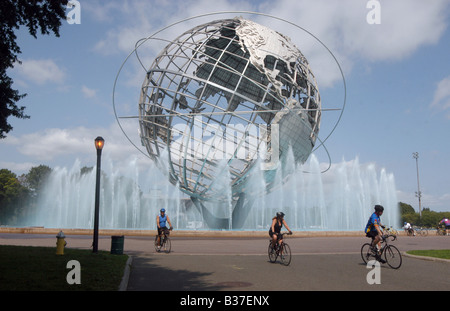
161,221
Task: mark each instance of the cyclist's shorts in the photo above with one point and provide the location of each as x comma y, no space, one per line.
371,234
163,229
271,233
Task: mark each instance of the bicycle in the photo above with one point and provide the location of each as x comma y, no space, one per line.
392,255
282,250
422,231
410,232
440,230
165,243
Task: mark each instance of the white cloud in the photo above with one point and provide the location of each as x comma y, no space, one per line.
41,71
406,25
87,92
441,99
17,168
71,143
51,143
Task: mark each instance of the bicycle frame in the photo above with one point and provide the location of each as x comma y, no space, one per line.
385,244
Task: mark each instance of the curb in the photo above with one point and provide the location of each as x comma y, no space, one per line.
177,233
426,258
126,275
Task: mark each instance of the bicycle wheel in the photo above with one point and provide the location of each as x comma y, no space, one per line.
167,246
393,256
272,253
285,255
366,252
424,232
156,244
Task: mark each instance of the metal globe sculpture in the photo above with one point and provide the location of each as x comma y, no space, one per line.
222,100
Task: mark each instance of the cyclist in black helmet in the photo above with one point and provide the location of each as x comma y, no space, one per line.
275,229
373,229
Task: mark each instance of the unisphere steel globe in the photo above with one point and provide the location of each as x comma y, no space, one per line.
226,98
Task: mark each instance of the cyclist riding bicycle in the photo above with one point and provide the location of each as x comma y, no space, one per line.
373,230
446,223
275,229
161,221
408,228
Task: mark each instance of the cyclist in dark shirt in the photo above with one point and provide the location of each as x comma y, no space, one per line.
275,228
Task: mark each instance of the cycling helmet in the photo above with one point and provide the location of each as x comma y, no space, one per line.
379,208
163,210
280,214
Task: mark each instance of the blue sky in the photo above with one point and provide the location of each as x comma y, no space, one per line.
397,76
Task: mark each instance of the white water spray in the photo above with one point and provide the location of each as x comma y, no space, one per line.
340,199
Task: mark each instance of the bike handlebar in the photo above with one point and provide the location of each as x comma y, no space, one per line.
385,237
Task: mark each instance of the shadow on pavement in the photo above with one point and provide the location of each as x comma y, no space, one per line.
153,277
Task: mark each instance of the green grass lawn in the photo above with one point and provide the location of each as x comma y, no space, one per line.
25,268
441,253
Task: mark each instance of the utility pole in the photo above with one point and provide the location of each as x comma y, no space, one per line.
418,193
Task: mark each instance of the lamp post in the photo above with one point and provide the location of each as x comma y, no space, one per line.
418,193
99,143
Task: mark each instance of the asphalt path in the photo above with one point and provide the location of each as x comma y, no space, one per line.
317,264
241,264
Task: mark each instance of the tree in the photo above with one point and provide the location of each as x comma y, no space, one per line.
45,15
12,195
406,208
36,178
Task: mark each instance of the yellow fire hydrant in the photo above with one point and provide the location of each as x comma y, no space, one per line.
60,243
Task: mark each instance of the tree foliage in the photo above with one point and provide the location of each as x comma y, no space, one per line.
13,195
429,218
36,177
18,194
43,15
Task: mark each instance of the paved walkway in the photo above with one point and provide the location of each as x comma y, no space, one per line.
241,264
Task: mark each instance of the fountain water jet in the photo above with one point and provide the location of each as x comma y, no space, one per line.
340,199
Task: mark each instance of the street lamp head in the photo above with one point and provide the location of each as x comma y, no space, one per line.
99,143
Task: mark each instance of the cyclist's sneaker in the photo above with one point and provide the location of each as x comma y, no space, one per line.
378,258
